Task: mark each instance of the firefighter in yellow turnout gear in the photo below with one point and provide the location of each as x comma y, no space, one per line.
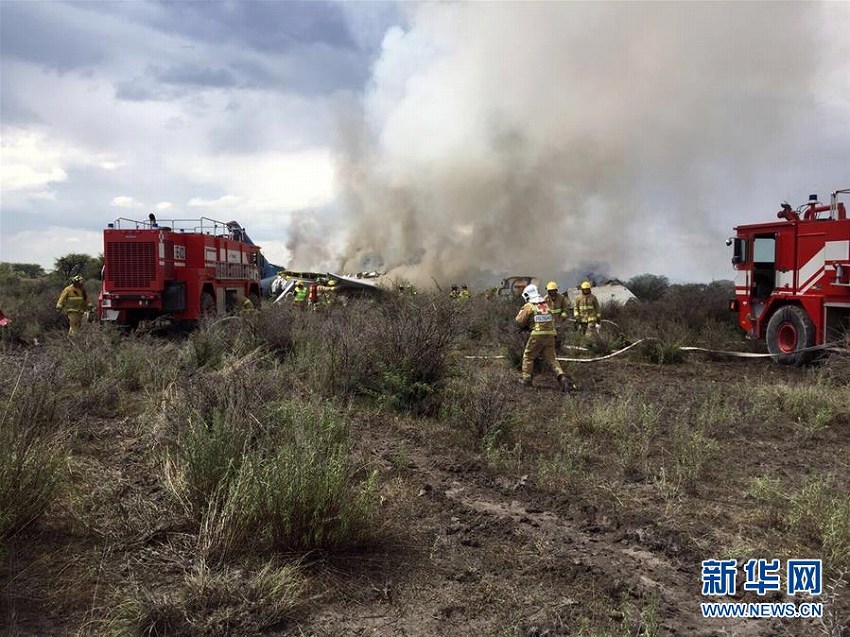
328,293
587,313
74,301
299,299
248,309
536,316
559,305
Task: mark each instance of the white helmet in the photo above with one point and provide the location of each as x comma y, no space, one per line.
531,294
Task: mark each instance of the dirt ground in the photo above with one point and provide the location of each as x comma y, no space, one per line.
480,547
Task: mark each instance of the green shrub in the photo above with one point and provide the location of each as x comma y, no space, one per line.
567,469
31,454
692,453
634,435
483,407
30,304
819,513
662,352
811,406
485,320
274,327
397,351
285,481
773,501
630,421
681,315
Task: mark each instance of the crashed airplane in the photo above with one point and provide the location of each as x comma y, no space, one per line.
350,285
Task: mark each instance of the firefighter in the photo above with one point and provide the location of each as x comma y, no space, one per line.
299,299
248,308
75,301
313,295
327,293
331,291
586,312
454,293
464,292
536,317
560,308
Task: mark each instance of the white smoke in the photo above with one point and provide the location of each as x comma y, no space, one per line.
532,137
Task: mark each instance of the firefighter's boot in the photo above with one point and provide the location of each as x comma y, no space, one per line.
565,384
525,382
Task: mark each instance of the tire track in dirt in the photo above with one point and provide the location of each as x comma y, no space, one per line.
640,569
504,559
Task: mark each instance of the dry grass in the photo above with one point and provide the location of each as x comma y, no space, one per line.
204,468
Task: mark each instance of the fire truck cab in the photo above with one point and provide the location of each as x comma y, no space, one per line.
792,282
178,269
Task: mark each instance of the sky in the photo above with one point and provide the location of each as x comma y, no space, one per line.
435,141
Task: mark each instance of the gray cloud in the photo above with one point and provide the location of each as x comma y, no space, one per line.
48,34
196,75
468,136
262,26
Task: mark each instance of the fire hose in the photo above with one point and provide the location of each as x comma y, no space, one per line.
826,346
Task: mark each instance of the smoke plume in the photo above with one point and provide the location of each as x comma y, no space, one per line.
533,137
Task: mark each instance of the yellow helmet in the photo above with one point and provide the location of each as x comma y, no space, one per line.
299,282
585,285
551,285
332,282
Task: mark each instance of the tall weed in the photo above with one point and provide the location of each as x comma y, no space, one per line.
31,453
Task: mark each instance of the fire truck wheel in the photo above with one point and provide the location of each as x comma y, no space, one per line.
207,305
788,331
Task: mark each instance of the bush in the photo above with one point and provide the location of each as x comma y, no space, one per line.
648,287
483,406
211,603
692,454
661,352
817,515
279,477
30,304
397,351
691,314
810,407
485,320
31,454
274,328
218,341
820,514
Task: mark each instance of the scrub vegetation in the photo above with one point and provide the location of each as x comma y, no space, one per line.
376,468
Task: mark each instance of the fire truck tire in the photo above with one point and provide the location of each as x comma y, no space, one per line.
207,305
789,330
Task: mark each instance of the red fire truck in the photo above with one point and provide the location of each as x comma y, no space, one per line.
177,269
792,284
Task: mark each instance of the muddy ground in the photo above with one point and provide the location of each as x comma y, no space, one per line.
479,542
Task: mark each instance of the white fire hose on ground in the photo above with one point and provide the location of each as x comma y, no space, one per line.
826,346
